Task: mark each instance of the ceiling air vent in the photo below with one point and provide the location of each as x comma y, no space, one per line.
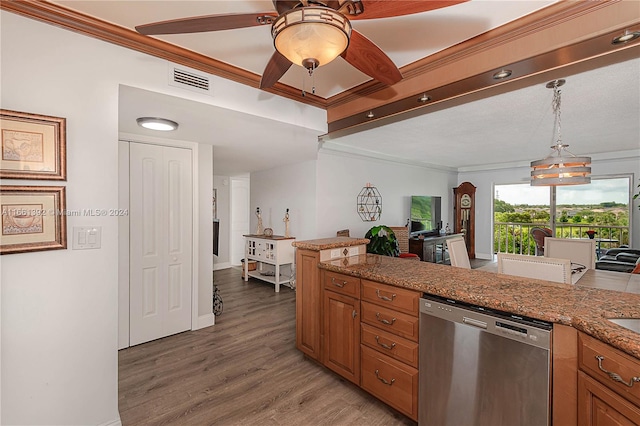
189,80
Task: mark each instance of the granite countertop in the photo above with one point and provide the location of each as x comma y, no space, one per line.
329,243
584,308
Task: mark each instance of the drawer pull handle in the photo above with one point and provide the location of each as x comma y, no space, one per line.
615,376
337,283
393,296
384,320
384,345
383,380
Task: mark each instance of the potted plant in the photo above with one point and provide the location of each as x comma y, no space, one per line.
382,241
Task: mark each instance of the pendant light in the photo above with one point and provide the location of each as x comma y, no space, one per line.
561,167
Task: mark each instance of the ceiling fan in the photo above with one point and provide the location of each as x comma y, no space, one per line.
311,33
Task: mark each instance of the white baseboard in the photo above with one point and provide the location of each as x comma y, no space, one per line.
115,422
218,266
205,321
484,256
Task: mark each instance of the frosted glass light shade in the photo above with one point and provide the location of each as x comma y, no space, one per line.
311,35
155,123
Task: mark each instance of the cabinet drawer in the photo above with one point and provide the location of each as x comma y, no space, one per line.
389,344
390,381
595,356
343,284
391,321
400,299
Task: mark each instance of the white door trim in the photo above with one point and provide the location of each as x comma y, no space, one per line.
123,253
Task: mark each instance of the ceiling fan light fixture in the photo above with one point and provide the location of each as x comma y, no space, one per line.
155,123
561,167
311,36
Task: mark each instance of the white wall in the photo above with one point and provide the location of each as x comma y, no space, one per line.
290,187
340,177
601,166
322,194
59,308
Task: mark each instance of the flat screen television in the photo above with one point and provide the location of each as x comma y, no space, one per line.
425,216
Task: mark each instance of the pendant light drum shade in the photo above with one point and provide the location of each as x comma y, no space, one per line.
311,36
561,167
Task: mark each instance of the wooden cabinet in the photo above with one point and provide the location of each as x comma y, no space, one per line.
309,291
370,336
308,303
342,335
599,406
389,339
608,384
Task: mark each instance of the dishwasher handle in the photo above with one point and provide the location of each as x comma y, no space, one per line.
474,322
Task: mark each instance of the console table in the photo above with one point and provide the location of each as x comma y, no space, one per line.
275,251
431,249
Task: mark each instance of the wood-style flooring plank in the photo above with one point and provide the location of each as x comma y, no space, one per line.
244,370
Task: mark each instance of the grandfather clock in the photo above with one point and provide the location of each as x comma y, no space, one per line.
464,215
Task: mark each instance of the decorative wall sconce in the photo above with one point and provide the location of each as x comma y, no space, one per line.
369,203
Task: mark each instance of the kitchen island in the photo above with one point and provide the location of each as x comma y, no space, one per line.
365,326
595,362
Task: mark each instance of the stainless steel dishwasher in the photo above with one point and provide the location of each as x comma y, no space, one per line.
482,367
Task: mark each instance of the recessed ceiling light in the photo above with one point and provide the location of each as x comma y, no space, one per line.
424,98
371,114
626,37
155,123
501,74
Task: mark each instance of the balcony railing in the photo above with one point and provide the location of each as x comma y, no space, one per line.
511,237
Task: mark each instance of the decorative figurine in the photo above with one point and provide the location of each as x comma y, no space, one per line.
286,224
259,230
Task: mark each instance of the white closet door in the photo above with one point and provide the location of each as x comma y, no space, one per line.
160,241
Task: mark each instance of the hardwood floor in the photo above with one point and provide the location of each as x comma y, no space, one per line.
245,370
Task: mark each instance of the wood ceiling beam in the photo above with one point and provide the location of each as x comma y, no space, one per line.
568,35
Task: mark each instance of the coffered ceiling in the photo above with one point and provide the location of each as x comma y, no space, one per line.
447,54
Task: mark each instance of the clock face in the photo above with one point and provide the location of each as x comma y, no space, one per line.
465,201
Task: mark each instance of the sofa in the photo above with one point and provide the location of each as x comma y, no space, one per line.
622,259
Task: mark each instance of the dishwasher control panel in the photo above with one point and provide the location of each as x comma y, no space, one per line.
514,327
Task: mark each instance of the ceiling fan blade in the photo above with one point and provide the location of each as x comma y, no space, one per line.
374,9
275,69
363,54
200,24
283,6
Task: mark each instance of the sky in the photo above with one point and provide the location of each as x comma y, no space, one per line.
599,191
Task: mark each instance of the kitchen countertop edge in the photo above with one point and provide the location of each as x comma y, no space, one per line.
583,308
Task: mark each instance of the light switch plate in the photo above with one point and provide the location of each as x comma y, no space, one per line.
86,237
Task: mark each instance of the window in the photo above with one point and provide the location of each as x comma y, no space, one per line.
602,207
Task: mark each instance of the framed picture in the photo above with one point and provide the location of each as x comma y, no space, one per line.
33,146
33,218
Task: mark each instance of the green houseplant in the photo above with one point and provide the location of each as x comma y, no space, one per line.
382,241
637,194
